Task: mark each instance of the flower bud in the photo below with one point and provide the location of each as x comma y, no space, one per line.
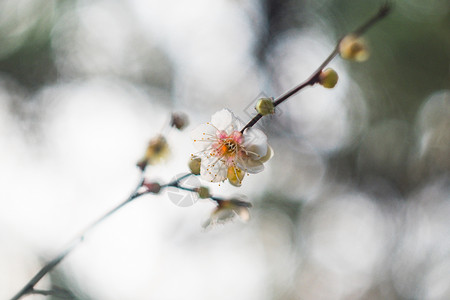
179,120
157,150
353,48
194,165
328,78
265,106
227,210
203,192
152,187
235,176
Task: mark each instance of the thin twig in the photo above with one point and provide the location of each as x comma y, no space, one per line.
314,78
177,184
29,287
56,293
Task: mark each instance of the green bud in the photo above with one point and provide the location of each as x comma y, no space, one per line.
265,106
328,78
194,165
203,192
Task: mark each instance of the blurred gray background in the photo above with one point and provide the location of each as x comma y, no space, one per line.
355,204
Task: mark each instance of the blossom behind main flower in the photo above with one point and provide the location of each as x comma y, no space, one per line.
225,152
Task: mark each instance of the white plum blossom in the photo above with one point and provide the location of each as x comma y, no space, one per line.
225,152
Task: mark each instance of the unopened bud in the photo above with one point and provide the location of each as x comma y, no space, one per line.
328,78
194,165
157,150
235,176
353,48
179,120
265,106
152,187
203,192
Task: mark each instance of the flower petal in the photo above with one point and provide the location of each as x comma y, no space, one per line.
213,170
224,215
243,213
219,216
251,166
255,142
224,120
236,125
235,176
203,136
268,155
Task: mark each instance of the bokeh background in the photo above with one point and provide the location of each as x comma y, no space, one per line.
355,204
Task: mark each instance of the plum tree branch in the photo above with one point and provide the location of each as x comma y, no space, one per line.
29,287
314,78
140,190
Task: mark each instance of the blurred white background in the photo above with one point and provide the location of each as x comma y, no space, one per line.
355,204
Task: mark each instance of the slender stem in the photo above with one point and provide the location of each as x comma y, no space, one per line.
314,78
177,181
382,12
177,185
56,293
29,287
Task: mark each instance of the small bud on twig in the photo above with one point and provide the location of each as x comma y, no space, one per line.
265,106
179,120
194,165
157,150
328,78
354,48
152,187
203,192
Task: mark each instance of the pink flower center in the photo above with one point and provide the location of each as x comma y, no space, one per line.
228,147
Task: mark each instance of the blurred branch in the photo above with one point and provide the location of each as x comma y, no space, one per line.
382,12
29,287
314,78
142,188
59,293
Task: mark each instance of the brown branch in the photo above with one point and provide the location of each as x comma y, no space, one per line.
55,293
314,78
29,287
